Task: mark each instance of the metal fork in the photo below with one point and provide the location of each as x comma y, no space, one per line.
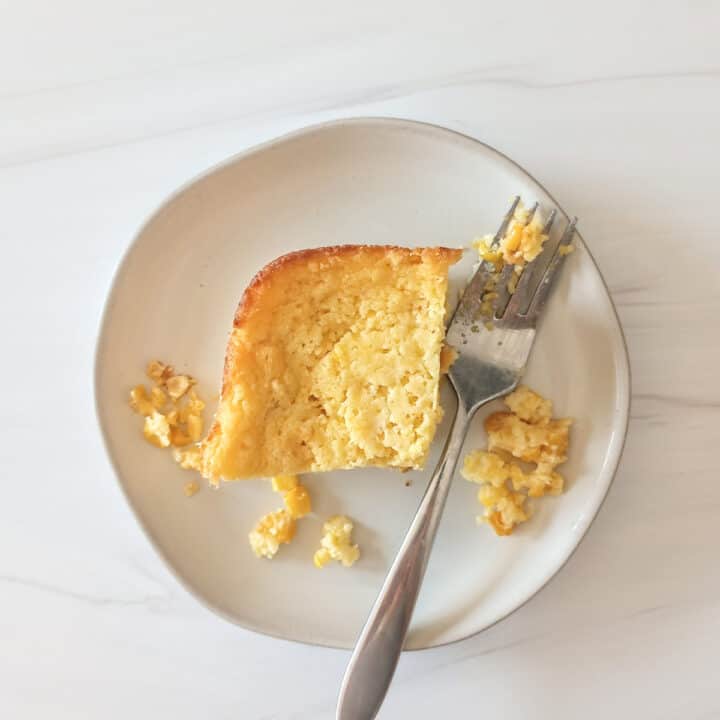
490,365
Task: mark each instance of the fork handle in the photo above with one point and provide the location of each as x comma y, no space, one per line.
378,648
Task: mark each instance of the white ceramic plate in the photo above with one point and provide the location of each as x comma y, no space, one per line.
353,181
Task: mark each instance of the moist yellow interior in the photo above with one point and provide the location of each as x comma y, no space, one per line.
333,363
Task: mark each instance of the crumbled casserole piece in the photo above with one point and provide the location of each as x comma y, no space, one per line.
521,244
178,385
173,413
157,429
274,529
529,406
158,371
545,444
279,527
482,466
531,435
336,543
140,401
188,458
504,508
192,405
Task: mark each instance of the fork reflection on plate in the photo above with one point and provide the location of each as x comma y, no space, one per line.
489,365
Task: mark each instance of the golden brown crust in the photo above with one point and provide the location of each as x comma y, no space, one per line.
262,278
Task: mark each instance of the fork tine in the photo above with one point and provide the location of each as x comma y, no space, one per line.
505,222
545,285
468,306
508,270
522,296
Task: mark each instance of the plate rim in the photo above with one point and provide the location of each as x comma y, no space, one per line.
623,368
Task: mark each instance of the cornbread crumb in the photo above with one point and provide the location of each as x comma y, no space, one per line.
191,488
274,529
336,543
157,429
333,362
448,355
566,249
158,371
178,385
279,527
522,243
188,458
140,401
530,434
173,416
504,508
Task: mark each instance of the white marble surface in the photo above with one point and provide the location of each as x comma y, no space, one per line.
106,108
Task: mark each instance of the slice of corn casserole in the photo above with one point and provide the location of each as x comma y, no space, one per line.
333,362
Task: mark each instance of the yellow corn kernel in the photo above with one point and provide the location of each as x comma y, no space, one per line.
191,488
178,385
140,401
158,398
297,501
283,483
178,437
158,371
321,558
496,522
195,427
